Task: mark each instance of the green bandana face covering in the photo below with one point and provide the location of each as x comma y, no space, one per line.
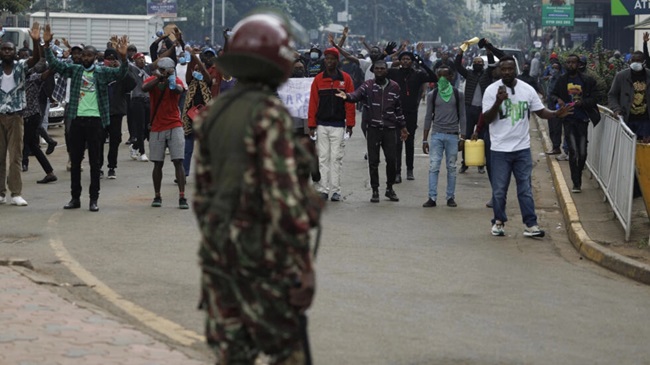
444,89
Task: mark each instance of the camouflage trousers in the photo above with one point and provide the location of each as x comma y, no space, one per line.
246,316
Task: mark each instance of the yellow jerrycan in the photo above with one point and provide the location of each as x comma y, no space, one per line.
475,152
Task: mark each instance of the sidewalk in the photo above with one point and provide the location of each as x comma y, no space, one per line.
40,327
593,228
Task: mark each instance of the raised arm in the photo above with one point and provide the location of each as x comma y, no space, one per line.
35,34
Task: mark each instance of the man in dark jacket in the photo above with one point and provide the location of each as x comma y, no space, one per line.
410,80
580,90
382,97
629,96
117,94
476,81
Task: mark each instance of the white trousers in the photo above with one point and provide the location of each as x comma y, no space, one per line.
330,146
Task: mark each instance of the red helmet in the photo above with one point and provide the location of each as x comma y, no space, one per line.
260,49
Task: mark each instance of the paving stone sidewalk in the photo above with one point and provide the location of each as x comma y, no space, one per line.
38,327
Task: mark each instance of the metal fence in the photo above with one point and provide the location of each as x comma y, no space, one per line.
611,160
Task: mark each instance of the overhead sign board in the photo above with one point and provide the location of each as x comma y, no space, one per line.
557,13
162,8
630,7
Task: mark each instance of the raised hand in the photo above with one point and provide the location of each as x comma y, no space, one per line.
345,31
35,32
390,48
121,45
646,37
330,39
177,33
47,34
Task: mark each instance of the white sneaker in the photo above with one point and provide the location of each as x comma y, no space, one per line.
143,157
19,201
497,229
533,231
3,200
134,153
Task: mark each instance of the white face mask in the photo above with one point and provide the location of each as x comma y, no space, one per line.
314,55
636,66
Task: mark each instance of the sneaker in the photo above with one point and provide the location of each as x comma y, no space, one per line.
390,194
533,231
182,203
398,179
409,175
462,169
133,153
47,179
143,158
429,203
576,189
497,229
336,197
451,203
562,157
157,202
19,201
554,151
111,174
3,199
324,196
375,196
481,169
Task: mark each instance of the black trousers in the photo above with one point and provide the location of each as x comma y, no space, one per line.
472,115
139,111
385,139
555,132
576,134
85,132
31,142
411,126
114,134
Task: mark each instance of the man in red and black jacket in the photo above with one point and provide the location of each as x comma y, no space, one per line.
330,119
382,98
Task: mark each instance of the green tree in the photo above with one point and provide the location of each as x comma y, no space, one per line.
527,12
15,6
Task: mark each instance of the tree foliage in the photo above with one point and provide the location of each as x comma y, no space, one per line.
526,12
377,20
15,6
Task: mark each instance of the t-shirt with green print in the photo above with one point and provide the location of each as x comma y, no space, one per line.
88,106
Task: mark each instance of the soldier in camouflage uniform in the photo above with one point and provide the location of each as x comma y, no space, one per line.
254,205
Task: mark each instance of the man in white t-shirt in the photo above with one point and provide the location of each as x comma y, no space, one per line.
507,104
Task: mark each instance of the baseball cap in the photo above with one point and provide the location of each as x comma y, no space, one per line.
138,55
210,50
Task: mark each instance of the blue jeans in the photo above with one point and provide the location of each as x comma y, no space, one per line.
439,143
519,164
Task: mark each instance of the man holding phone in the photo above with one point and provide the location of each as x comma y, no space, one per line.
165,89
507,104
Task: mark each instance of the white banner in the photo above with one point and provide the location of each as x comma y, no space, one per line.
295,96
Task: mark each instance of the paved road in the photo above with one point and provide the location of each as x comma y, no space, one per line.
398,284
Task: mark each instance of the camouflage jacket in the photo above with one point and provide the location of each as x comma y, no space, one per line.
253,201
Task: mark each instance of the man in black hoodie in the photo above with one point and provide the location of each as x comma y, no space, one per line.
410,80
477,80
117,95
580,90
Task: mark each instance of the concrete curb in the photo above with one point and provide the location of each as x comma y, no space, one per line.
580,239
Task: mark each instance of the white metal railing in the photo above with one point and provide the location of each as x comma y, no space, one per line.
611,157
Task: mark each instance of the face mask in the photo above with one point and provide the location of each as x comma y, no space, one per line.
636,66
182,60
477,67
197,75
313,55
